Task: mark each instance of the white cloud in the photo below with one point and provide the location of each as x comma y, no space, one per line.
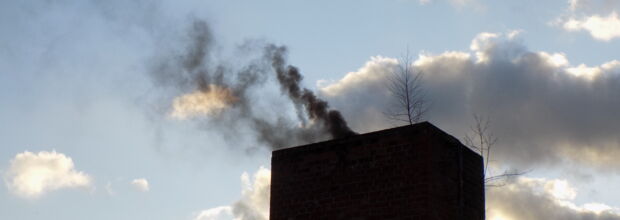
141,184
597,17
373,70
32,175
485,45
555,59
545,110
254,202
217,213
601,28
539,198
589,72
560,189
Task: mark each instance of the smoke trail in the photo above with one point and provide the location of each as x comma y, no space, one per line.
317,109
228,96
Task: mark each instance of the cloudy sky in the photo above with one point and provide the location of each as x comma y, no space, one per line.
169,109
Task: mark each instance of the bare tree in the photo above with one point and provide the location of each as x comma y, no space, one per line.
405,85
483,141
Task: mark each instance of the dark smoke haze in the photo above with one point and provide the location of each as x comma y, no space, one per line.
198,66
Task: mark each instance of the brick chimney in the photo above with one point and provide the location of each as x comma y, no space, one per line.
410,172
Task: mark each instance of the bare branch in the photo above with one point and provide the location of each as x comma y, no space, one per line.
505,175
405,85
482,141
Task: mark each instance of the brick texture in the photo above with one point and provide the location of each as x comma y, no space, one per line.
409,172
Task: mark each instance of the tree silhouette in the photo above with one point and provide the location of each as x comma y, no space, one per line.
408,102
482,140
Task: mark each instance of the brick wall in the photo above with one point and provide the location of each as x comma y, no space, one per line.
410,172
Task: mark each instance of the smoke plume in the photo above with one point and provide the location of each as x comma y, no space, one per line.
229,94
316,108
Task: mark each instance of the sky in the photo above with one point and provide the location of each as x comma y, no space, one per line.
170,109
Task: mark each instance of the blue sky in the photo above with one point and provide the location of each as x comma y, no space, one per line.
77,89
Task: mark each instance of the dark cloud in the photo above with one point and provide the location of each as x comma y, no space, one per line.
543,110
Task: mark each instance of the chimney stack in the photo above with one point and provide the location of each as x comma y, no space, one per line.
410,172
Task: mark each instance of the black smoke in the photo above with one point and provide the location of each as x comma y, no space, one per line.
199,65
316,108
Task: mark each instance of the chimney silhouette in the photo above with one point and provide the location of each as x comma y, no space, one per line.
410,172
